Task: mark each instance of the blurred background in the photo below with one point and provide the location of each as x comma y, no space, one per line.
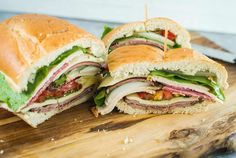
215,19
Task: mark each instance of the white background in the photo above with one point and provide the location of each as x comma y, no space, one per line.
202,15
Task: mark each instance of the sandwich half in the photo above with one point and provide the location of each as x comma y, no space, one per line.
47,65
142,80
150,32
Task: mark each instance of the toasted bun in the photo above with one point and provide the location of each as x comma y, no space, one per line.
34,118
31,41
183,36
139,60
133,59
191,62
196,108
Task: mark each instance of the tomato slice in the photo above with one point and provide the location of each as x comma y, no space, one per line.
170,35
58,92
167,95
144,95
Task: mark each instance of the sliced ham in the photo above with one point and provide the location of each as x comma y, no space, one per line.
137,41
187,92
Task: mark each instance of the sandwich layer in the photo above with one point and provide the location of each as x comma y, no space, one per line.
176,82
150,32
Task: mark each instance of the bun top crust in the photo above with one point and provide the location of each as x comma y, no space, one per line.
28,39
139,60
184,53
134,54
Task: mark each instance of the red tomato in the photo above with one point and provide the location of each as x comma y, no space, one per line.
58,92
144,95
167,95
170,35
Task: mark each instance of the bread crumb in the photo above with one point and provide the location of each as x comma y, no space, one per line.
128,140
52,139
81,121
1,141
75,119
203,120
94,111
1,151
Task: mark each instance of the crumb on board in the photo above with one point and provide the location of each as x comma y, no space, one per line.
94,111
1,141
75,119
81,121
1,151
127,140
52,139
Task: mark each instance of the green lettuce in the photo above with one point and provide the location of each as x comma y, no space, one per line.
100,97
13,99
200,80
106,30
8,96
42,72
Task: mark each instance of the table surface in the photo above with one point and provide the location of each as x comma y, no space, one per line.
96,28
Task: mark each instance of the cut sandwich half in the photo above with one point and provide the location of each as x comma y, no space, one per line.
150,32
47,65
143,80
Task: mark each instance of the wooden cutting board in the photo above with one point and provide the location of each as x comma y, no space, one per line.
77,133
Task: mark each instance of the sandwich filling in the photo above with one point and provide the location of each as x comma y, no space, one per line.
55,85
161,90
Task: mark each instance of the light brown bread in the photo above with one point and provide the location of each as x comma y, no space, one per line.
139,60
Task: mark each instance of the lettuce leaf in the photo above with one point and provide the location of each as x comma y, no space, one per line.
8,96
106,30
13,99
200,80
42,72
100,97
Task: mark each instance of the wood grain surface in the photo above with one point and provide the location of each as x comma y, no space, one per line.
77,133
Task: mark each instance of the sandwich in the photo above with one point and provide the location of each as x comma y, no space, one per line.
143,79
47,66
150,32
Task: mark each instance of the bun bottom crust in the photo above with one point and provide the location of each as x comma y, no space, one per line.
196,108
35,118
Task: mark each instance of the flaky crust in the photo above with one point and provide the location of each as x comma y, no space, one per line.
134,54
27,38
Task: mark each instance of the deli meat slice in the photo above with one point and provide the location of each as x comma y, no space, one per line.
137,42
187,92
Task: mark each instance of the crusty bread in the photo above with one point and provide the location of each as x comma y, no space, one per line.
183,36
196,108
34,118
139,60
133,59
31,41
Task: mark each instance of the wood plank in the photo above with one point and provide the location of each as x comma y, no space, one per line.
76,133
